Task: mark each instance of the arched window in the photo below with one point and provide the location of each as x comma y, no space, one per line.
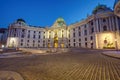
104,20
104,28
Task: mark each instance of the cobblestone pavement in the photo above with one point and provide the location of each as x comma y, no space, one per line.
79,64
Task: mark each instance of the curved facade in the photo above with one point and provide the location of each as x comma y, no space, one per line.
98,31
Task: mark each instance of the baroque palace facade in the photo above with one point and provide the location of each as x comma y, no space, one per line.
98,31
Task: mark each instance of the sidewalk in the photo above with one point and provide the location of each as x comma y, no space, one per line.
12,55
115,54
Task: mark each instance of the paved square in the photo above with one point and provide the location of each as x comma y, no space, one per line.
80,64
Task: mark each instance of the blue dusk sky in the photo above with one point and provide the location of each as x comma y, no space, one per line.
45,12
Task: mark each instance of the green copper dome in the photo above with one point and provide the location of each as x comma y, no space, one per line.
21,20
60,21
101,8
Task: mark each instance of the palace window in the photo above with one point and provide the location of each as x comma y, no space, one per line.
62,36
34,36
91,38
79,40
92,30
29,31
14,35
27,40
92,23
85,32
73,29
33,41
38,45
86,44
79,33
85,26
104,28
21,44
15,29
91,45
34,31
104,20
79,27
28,35
49,36
74,40
27,44
73,34
74,44
21,40
39,36
85,39
22,36
79,44
69,35
33,45
23,30
69,40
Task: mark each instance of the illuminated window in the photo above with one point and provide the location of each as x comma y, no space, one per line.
69,35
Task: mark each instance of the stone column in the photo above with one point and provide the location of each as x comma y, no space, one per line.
109,19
